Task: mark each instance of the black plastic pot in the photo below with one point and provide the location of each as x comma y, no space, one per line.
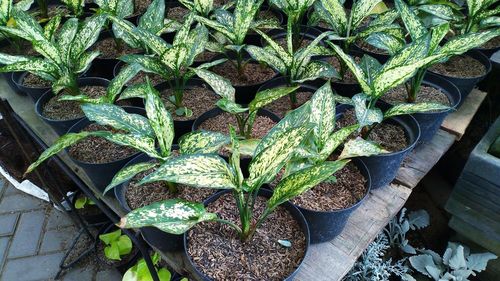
252,37
122,265
161,240
34,92
384,167
62,126
465,85
183,127
98,218
488,52
326,225
430,122
101,174
296,214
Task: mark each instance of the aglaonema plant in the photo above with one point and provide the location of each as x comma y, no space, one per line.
174,62
454,46
7,19
212,171
481,15
296,66
295,11
234,27
64,51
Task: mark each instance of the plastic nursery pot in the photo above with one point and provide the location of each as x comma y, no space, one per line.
430,122
161,240
326,225
182,127
95,216
35,93
127,261
101,174
252,37
384,167
62,126
294,211
465,85
244,161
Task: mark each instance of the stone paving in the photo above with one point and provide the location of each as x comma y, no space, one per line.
33,239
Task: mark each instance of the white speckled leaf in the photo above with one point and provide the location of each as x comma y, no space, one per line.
37,66
140,142
323,113
333,13
359,147
335,140
128,173
220,85
463,43
265,97
261,55
87,34
366,116
410,108
230,106
124,76
160,120
202,142
353,66
314,70
413,24
149,64
360,10
173,216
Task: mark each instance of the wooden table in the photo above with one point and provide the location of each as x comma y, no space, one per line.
330,260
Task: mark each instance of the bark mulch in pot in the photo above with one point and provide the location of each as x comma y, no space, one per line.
68,110
265,15
52,11
140,6
427,94
304,42
97,150
282,105
155,79
177,13
221,122
218,3
198,99
205,56
109,50
349,77
33,81
362,44
349,188
492,44
253,73
138,196
218,252
462,66
391,137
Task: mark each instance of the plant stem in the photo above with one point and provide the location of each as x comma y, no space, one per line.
241,124
234,226
414,85
172,188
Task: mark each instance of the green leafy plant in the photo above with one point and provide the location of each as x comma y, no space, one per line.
140,271
75,6
481,15
211,171
295,11
64,50
173,62
203,8
7,19
83,201
245,117
455,46
433,13
457,263
296,66
117,245
399,226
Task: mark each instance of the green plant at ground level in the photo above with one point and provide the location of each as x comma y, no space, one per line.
211,171
117,245
399,226
140,271
83,201
64,50
457,263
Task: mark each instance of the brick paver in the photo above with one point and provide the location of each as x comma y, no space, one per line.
34,238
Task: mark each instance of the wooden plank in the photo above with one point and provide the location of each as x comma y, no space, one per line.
458,121
423,158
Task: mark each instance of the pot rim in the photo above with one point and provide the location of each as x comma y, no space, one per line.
473,53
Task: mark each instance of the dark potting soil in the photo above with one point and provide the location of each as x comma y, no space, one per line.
391,137
362,44
177,13
304,42
109,50
33,81
349,77
345,192
461,66
52,11
218,252
138,196
426,94
253,73
25,48
218,3
282,105
492,44
140,6
205,56
265,15
198,99
155,79
221,122
68,110
98,150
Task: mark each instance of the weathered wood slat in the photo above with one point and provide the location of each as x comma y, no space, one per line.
458,121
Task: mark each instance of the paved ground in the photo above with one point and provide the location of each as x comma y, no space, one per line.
33,240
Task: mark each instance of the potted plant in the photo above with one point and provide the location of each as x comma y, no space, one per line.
114,248
245,75
87,209
140,271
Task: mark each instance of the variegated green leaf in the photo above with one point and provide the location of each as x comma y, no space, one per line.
202,142
225,30
234,160
81,99
295,118
28,25
410,108
116,85
140,142
84,61
303,180
116,117
220,85
437,35
413,24
10,59
442,11
211,64
66,35
182,34
174,57
49,51
75,6
265,97
195,42
333,13
230,106
490,22
360,10
134,91
365,114
154,43
461,44
36,66
323,113
385,18
60,144
5,9
51,27
160,119
246,147
386,42
128,173
198,170
261,55
314,70
152,19
359,147
244,14
266,165
278,50
148,63
410,54
87,34
173,216
335,140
